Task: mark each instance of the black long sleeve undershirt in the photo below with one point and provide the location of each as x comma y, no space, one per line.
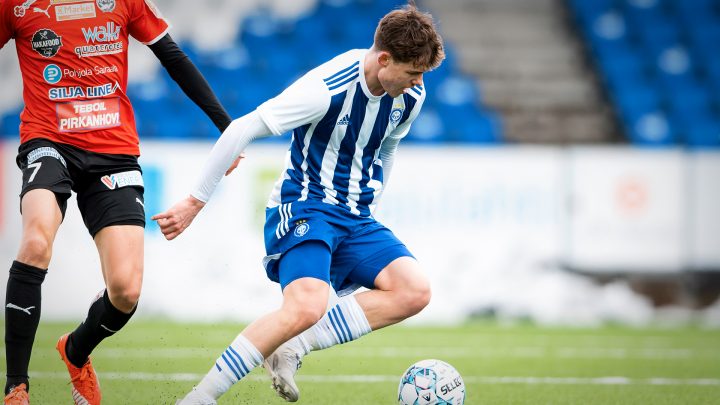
190,80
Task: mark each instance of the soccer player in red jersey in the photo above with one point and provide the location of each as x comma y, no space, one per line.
78,133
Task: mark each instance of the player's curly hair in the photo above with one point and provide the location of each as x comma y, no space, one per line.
410,36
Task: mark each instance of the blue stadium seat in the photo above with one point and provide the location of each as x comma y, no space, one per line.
692,99
428,127
651,128
620,64
587,11
658,61
703,134
636,98
270,53
607,28
10,124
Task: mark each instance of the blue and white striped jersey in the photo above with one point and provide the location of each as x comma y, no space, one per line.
338,131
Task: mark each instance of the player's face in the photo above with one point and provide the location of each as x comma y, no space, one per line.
396,78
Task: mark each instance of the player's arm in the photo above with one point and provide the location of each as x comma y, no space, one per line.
390,144
6,26
299,104
184,72
227,149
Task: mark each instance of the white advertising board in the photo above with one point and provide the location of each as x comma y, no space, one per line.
488,225
626,210
704,210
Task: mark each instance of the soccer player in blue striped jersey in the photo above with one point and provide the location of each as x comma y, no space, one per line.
347,117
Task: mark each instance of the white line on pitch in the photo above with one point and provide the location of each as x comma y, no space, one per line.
389,378
447,352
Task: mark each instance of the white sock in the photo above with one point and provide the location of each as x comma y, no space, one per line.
343,323
235,363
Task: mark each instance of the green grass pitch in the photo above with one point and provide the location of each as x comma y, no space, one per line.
156,362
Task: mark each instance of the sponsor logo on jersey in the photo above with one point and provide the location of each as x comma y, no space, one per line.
71,92
344,120
123,179
40,10
74,11
86,51
396,114
52,74
104,33
88,115
86,72
46,42
105,5
21,9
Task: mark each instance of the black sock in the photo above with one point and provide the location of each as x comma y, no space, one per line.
103,320
22,316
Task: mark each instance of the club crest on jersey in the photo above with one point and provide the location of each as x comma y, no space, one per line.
105,5
301,229
46,42
21,9
396,114
123,179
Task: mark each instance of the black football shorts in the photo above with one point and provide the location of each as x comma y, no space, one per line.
109,187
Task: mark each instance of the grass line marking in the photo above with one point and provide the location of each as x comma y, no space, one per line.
610,380
458,352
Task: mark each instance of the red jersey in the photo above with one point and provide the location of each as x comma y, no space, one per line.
73,58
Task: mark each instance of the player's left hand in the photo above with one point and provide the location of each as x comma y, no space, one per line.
235,164
175,220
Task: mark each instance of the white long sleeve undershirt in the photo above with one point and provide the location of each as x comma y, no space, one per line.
228,147
387,156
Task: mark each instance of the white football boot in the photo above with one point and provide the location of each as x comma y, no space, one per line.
196,397
282,366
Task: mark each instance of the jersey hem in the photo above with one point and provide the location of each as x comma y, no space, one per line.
132,151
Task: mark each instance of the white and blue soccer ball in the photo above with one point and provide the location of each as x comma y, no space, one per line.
431,382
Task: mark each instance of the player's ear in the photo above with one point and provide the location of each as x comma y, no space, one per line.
384,58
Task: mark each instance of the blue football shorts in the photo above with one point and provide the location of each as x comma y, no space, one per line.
360,247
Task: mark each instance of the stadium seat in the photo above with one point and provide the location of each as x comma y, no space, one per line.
269,53
703,134
651,128
10,124
427,128
658,61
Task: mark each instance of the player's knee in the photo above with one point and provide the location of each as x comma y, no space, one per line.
416,296
307,315
124,298
35,250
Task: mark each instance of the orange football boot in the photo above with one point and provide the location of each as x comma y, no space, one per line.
18,396
86,388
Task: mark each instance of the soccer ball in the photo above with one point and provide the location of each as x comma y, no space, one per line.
431,382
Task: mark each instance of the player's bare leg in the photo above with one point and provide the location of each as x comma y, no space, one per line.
304,303
121,257
401,292
41,218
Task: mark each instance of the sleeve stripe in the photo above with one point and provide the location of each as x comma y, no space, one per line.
341,72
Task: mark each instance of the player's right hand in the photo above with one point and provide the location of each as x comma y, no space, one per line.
175,220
